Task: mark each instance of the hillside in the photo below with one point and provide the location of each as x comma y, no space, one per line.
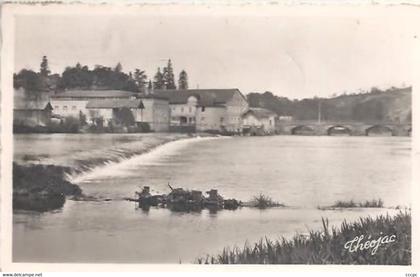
392,105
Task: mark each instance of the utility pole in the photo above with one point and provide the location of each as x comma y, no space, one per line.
319,111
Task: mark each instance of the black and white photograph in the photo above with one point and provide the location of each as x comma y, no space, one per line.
261,135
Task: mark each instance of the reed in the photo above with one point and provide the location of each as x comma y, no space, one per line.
262,201
327,246
351,204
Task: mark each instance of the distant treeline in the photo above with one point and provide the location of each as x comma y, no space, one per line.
100,77
391,105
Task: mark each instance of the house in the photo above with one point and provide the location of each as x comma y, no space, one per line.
32,113
31,110
104,106
73,102
259,121
107,110
144,109
205,109
155,112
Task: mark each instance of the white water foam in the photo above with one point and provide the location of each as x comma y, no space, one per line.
124,166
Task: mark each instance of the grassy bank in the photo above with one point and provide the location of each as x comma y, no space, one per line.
41,187
328,246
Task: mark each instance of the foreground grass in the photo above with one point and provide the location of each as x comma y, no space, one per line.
327,246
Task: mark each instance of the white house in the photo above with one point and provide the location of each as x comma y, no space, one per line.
259,120
104,104
72,102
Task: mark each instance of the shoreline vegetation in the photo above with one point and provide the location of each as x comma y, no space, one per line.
374,203
388,239
41,187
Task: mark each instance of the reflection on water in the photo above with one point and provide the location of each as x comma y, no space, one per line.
302,172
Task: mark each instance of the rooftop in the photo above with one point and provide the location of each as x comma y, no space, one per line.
114,104
260,113
24,104
206,97
94,94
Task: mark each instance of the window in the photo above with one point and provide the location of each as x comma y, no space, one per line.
73,108
190,109
173,108
270,122
65,108
203,109
221,120
56,107
202,118
182,109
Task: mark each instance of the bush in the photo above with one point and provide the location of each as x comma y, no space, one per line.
262,201
41,187
66,125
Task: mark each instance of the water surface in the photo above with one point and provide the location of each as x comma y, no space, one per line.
301,172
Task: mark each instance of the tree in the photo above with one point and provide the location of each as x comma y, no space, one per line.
77,77
44,70
150,86
158,82
82,119
183,80
124,117
140,78
118,68
168,76
29,80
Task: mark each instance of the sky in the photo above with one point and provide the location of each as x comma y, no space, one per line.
295,57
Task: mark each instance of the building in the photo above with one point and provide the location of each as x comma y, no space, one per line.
31,111
205,109
104,105
106,110
259,121
73,102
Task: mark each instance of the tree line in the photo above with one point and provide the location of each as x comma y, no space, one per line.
100,77
375,105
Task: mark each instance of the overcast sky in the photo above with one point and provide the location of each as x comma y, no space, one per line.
295,57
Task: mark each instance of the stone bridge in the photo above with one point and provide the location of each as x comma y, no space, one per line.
343,128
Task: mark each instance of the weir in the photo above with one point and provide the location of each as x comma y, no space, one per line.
115,166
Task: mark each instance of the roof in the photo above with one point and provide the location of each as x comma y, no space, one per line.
260,113
32,105
94,94
114,103
206,97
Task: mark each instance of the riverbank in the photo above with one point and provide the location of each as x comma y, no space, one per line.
41,187
384,240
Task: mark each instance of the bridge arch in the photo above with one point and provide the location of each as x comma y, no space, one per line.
380,130
303,130
339,130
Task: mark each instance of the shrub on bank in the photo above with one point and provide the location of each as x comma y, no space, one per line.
328,246
41,187
262,201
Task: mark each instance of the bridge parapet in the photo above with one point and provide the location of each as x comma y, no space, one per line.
308,127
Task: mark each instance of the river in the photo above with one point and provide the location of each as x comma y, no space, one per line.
301,172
